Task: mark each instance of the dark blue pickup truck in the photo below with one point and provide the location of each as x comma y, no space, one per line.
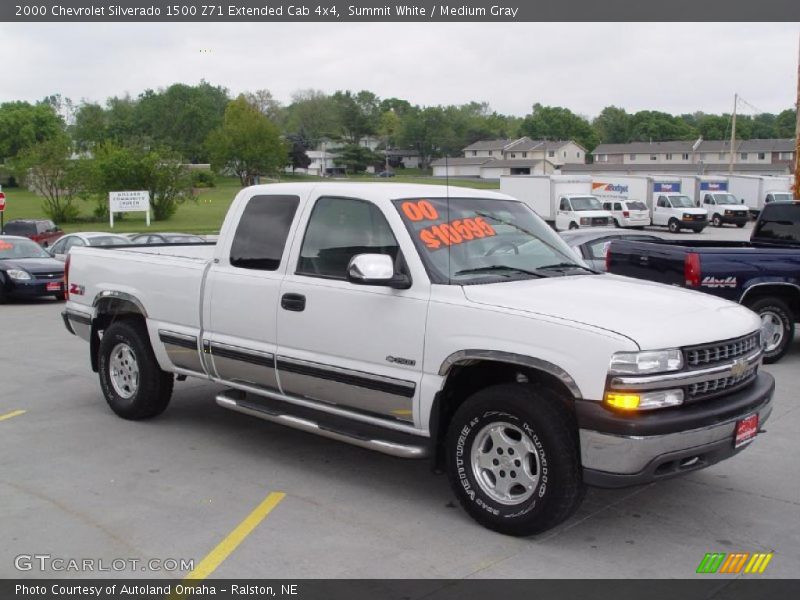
762,274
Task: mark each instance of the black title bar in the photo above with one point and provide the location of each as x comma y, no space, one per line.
412,11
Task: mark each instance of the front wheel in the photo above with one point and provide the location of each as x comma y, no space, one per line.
777,324
513,459
573,225
716,221
674,226
133,384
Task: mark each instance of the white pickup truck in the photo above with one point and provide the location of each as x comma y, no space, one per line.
430,321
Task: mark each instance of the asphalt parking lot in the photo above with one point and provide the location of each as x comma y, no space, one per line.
78,482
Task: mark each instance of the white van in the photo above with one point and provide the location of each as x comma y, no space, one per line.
628,213
676,212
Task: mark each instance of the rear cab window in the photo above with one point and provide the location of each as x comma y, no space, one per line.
261,234
779,223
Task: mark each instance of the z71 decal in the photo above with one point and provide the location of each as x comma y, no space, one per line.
717,282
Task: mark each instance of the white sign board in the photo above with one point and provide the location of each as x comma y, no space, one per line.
138,201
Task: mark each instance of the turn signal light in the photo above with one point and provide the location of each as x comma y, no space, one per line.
626,401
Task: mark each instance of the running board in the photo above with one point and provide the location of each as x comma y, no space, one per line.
359,434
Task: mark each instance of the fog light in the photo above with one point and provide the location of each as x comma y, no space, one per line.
645,400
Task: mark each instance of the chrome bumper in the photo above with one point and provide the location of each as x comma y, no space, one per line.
618,460
78,323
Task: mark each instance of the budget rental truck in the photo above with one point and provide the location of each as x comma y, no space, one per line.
711,192
429,321
565,201
755,191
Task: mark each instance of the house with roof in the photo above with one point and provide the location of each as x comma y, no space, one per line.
711,153
489,159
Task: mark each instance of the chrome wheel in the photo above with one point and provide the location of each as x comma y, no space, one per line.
124,371
772,329
505,463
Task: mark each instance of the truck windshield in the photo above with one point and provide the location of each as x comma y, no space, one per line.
681,202
726,199
483,240
782,197
585,203
10,249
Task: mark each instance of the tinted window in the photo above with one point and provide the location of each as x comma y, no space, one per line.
662,201
20,229
780,223
617,206
636,205
261,235
564,204
338,230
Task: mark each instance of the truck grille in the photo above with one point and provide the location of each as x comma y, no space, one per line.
599,220
715,387
710,354
50,275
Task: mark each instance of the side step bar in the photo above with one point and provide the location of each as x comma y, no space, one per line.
358,434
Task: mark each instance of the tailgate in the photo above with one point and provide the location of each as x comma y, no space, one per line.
653,261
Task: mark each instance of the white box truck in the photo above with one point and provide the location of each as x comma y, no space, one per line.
565,201
667,205
712,192
757,190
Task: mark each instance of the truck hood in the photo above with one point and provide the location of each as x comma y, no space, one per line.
651,314
693,211
741,207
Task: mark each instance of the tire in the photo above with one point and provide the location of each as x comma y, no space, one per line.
740,225
616,224
716,221
674,226
140,390
779,315
536,423
573,225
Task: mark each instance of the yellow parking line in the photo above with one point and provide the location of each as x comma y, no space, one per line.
224,549
12,414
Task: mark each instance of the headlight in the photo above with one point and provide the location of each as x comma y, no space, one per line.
644,400
728,212
649,361
585,221
687,217
18,274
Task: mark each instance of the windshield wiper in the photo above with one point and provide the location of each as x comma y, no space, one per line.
490,268
567,265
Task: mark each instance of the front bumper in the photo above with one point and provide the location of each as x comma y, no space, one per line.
735,219
619,450
35,288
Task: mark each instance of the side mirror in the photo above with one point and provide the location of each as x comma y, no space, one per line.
375,269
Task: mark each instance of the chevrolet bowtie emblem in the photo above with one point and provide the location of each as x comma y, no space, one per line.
738,368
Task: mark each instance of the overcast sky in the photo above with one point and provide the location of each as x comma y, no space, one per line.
672,67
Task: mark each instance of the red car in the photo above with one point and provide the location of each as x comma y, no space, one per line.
41,231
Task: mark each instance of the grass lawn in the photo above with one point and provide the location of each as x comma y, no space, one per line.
205,215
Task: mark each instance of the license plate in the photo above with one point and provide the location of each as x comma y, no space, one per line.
746,430
53,286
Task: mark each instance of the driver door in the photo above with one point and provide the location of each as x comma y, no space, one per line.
563,214
359,347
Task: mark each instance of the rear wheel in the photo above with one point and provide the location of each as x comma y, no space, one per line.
777,324
133,384
674,226
513,459
616,223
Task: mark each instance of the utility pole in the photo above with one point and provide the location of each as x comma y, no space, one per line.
733,134
796,187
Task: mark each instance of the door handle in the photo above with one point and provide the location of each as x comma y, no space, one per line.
294,302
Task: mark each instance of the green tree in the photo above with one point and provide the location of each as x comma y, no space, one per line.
119,168
651,125
247,143
558,123
426,131
267,105
357,158
181,117
612,125
714,127
23,124
786,123
47,169
312,116
91,126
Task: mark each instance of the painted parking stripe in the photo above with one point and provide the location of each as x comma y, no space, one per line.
12,414
224,549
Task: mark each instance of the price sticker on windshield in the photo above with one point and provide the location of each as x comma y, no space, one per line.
455,232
